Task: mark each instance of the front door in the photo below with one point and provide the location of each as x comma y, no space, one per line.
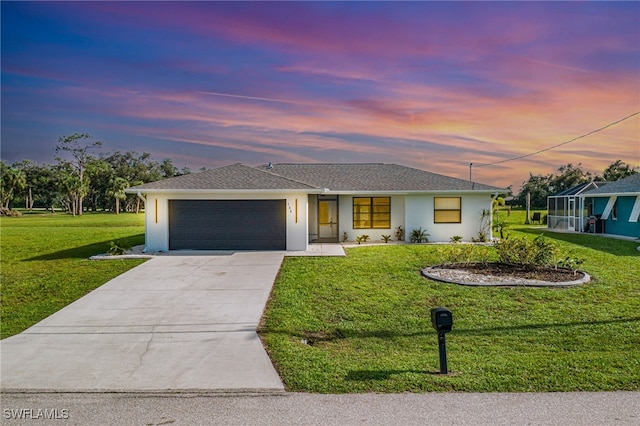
572,214
328,220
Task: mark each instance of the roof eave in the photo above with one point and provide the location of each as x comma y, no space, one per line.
414,191
612,194
218,191
135,190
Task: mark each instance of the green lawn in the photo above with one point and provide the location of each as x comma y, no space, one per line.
44,261
362,324
365,318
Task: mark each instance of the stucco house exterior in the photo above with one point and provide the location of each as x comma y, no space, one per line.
288,206
617,204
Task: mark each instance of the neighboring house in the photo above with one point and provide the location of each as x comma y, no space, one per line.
287,206
617,205
566,210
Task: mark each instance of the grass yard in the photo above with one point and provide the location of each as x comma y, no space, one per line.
362,324
44,261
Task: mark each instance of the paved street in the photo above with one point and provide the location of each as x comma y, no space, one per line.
617,408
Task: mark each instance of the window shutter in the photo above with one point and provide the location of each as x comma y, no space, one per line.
609,207
635,212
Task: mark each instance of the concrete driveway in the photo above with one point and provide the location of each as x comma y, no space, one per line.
174,323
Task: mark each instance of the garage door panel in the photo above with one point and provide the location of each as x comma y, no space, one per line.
227,224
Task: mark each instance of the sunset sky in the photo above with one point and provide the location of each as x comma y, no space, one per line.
431,85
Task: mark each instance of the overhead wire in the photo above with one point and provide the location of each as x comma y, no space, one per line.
556,146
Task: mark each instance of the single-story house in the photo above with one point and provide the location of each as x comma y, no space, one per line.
617,205
288,206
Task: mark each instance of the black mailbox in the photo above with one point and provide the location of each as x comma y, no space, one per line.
442,320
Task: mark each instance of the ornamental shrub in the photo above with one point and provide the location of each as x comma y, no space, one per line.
523,251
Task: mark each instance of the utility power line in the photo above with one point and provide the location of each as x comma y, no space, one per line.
554,146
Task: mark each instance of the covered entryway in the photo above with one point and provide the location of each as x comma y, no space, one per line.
227,225
328,220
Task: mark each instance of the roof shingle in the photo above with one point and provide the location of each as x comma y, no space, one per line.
233,177
333,177
373,177
630,184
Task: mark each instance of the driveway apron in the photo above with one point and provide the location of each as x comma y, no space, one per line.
176,322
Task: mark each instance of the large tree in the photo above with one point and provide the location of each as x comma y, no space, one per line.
116,190
539,188
74,180
30,170
567,177
618,170
45,186
12,181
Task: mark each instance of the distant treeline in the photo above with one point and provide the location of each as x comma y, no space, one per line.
82,179
541,186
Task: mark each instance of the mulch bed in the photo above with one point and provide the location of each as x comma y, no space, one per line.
500,274
518,271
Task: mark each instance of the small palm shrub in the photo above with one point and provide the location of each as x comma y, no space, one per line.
419,236
362,238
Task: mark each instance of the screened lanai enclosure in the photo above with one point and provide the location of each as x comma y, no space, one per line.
566,210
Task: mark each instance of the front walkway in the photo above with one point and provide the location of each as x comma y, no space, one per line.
319,249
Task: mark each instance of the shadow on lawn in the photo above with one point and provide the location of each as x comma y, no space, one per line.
367,375
593,241
84,252
312,338
543,326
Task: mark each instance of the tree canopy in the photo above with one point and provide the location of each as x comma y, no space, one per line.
82,179
568,176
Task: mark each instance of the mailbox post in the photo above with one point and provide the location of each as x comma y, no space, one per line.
442,321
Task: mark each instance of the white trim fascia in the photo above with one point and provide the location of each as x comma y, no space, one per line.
586,188
611,194
414,192
305,191
222,191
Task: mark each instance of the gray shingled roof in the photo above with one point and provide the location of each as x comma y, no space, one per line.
373,177
630,184
234,177
334,177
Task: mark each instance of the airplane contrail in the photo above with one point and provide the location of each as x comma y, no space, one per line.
283,101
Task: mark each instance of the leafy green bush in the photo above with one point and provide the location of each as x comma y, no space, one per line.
464,254
386,238
523,251
117,248
399,233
